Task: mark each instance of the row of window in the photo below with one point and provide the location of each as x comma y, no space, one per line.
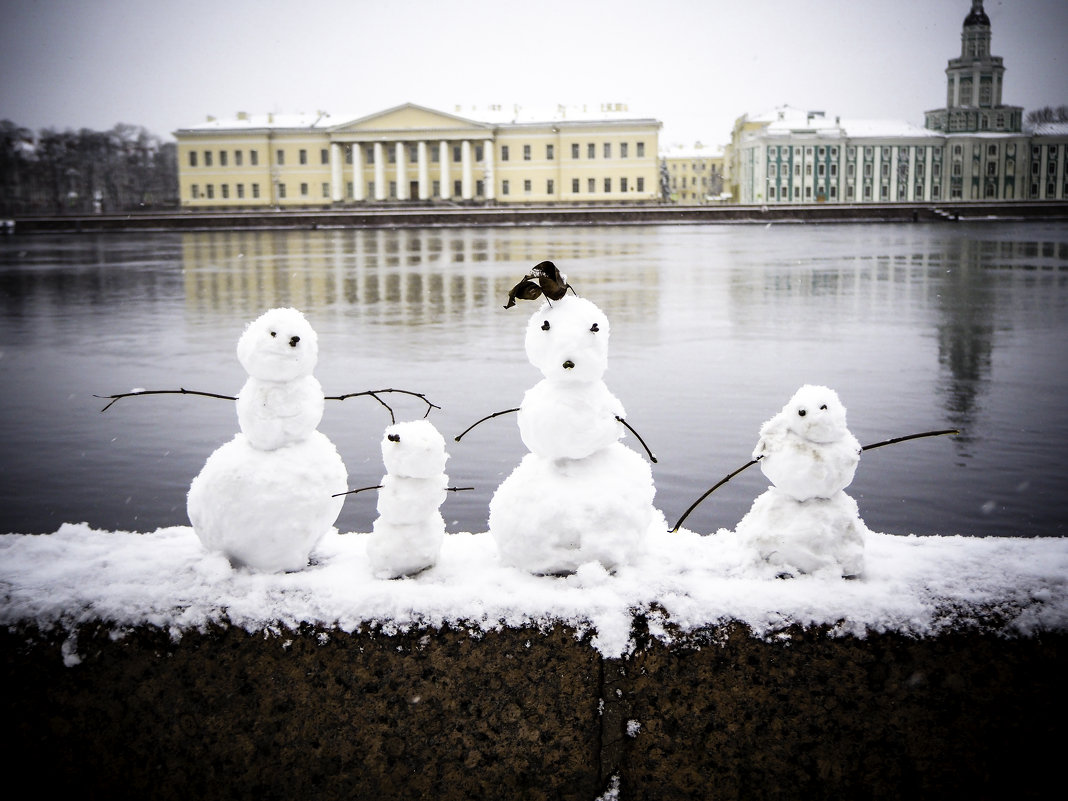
576,151
208,156
576,186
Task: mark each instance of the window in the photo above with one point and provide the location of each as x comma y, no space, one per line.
591,185
506,188
622,184
550,187
254,157
504,152
574,150
527,187
237,158
575,185
255,190
641,150
303,190
280,157
591,151
326,190
435,156
526,152
207,158
303,159
457,188
225,191
210,189
456,154
623,150
324,156
240,190
192,158
549,153
607,184
641,185
608,150
222,158
370,155
413,153
194,191
478,155
350,190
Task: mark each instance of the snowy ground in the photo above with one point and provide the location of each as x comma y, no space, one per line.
914,585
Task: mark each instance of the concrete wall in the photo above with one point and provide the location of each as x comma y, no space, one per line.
530,714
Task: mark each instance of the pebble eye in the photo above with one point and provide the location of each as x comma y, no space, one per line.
801,412
274,333
594,328
393,437
545,326
823,408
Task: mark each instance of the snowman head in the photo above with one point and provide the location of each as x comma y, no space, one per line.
568,340
815,413
413,449
279,345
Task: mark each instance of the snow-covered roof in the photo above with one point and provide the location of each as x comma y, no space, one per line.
246,121
886,129
694,151
1051,129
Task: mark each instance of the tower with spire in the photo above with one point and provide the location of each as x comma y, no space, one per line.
973,85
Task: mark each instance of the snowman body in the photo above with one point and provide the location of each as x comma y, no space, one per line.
408,534
805,522
264,499
580,495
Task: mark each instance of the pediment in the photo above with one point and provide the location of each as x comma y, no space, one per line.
410,117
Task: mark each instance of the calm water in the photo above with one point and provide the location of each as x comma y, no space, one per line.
917,327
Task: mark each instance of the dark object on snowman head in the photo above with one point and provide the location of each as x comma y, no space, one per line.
544,278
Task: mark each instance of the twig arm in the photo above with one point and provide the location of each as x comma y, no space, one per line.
353,492
712,489
629,428
484,419
179,391
896,440
374,393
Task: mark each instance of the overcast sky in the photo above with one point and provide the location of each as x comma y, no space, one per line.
694,64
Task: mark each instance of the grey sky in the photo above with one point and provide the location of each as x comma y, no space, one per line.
694,64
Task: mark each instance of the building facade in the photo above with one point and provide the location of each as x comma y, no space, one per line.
974,149
694,174
416,154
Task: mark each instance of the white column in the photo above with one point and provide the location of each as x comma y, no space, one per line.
357,171
424,172
467,188
490,179
444,154
380,171
337,186
402,170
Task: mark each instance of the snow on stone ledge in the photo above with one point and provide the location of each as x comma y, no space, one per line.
919,586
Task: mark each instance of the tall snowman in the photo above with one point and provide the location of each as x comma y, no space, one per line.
805,522
409,531
580,495
265,498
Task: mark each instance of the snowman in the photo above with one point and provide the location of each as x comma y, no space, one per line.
408,534
580,495
266,497
805,522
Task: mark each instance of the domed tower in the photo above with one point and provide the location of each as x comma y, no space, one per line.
973,85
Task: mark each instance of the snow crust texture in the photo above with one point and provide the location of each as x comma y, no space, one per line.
683,582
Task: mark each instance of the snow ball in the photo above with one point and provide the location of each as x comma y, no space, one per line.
568,340
413,449
280,345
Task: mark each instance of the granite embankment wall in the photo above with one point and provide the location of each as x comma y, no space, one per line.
413,216
531,714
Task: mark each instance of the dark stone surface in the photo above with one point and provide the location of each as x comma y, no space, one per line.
530,714
227,714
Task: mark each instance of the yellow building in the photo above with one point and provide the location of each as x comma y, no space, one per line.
694,174
600,154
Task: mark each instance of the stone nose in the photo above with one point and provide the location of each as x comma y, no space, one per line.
293,341
569,365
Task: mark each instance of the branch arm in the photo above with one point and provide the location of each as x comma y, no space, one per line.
484,419
179,391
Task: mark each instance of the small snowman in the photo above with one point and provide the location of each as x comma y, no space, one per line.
580,495
267,497
408,534
805,522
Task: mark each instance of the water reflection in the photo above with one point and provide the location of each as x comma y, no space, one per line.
713,327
